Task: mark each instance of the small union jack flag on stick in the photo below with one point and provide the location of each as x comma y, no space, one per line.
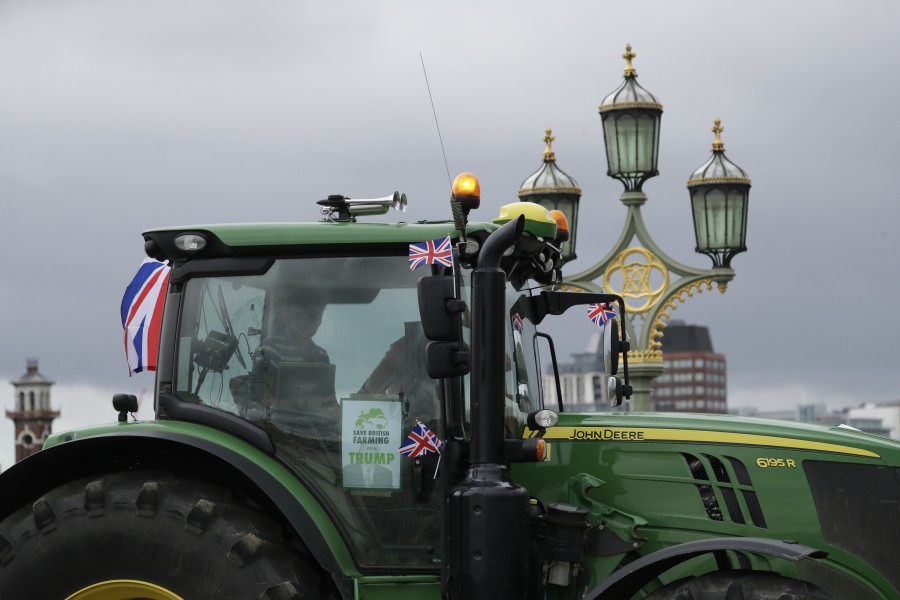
600,314
431,252
420,441
517,322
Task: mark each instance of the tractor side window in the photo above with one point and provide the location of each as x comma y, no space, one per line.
223,320
522,374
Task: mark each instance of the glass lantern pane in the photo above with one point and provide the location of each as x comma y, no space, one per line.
737,212
699,214
632,141
646,144
628,143
709,218
610,137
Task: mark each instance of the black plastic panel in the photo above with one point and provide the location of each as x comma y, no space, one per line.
859,510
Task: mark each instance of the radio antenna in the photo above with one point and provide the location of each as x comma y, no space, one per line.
434,112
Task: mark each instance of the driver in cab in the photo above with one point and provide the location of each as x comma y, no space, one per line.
293,371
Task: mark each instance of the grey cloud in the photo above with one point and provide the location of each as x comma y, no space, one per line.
120,116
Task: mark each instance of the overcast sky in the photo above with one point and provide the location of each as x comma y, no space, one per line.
117,116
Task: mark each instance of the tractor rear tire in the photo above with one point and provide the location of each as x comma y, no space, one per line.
739,585
149,535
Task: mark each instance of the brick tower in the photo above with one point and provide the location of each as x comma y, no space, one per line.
32,415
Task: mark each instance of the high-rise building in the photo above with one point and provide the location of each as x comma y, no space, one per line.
32,414
695,377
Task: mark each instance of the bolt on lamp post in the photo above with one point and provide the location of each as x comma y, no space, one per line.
653,283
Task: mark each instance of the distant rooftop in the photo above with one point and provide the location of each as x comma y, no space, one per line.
32,375
680,337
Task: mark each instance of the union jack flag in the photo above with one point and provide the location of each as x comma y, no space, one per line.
420,441
431,252
600,314
142,308
517,322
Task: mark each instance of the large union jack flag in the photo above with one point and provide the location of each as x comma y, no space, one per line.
431,252
600,314
420,441
142,308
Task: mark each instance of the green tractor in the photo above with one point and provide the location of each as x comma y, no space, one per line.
332,424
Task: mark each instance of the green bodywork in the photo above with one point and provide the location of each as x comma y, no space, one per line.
631,472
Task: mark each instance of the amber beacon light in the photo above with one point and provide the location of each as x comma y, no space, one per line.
466,186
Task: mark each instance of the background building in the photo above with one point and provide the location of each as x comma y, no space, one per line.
695,378
582,382
579,382
877,418
887,413
32,414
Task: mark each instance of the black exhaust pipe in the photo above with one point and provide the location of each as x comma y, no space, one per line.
489,544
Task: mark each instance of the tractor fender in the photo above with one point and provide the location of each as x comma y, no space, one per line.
179,452
628,580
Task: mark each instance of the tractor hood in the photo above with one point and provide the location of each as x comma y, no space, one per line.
722,429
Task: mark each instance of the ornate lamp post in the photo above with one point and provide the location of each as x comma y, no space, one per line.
652,282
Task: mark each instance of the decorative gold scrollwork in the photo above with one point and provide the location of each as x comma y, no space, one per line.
645,356
640,271
677,297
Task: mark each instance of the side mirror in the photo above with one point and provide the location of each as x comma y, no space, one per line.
446,359
439,309
446,355
611,347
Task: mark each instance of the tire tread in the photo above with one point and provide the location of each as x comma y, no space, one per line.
193,537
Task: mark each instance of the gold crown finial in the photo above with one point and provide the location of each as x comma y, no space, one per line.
629,69
717,129
548,151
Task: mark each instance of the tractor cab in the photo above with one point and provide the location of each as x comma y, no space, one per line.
308,340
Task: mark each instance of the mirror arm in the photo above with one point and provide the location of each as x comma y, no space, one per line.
556,303
625,346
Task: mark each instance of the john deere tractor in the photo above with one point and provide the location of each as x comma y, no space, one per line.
402,448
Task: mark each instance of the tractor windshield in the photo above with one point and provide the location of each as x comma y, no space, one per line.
327,356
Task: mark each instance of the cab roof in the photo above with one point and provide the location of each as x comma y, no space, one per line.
232,239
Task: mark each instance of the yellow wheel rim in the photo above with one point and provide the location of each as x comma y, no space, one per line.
124,589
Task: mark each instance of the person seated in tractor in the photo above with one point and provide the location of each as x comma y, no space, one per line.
401,372
291,374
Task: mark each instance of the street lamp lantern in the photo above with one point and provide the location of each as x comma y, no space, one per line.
720,192
554,189
631,116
